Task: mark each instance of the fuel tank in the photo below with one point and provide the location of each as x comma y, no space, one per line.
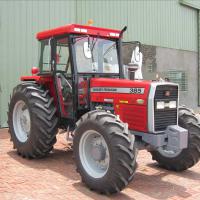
129,99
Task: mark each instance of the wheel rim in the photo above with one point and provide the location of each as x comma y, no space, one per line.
21,121
94,154
169,153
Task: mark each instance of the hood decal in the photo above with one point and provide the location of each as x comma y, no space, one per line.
133,90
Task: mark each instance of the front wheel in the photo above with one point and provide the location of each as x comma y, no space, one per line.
182,159
104,152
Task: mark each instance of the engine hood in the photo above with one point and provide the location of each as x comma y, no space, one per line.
128,98
121,83
132,100
119,90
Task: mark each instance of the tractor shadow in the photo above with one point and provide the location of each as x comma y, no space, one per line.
188,174
59,161
155,187
92,194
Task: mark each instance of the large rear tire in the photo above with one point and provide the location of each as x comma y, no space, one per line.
32,120
187,157
104,152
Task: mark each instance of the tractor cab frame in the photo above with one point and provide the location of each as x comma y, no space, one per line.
71,58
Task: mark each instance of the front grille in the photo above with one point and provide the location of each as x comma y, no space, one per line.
165,117
161,89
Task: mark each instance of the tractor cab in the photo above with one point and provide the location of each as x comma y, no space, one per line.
96,54
74,54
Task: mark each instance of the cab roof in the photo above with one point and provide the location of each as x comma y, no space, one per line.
78,29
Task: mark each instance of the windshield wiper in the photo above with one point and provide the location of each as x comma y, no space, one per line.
93,44
92,48
81,37
108,50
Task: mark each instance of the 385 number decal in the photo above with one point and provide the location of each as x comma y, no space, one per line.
137,90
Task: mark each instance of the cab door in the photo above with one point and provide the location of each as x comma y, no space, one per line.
64,78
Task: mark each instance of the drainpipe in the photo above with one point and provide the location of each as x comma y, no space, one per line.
198,35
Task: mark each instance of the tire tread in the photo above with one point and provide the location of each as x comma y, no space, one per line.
45,120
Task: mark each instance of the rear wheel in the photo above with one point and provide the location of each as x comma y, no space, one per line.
104,152
186,158
32,120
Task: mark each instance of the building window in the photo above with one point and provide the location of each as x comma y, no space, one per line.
179,77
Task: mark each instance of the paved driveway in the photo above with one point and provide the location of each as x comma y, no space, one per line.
55,178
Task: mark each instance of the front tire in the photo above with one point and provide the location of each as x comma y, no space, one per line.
104,152
188,157
32,120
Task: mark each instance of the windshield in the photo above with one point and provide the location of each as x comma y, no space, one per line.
96,55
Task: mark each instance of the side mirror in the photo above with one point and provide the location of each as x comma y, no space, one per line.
132,67
87,50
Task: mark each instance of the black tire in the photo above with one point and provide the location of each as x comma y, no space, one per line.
189,156
43,120
120,143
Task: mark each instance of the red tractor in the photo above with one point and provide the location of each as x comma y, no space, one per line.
80,87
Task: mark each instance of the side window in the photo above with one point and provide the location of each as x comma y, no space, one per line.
62,56
45,56
110,59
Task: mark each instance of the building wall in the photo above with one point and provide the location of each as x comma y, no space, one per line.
161,61
185,61
163,23
20,20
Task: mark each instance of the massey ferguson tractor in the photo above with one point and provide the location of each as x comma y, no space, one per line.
80,87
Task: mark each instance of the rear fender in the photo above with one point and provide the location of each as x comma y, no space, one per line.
47,81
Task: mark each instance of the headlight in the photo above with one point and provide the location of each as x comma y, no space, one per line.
160,105
172,104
